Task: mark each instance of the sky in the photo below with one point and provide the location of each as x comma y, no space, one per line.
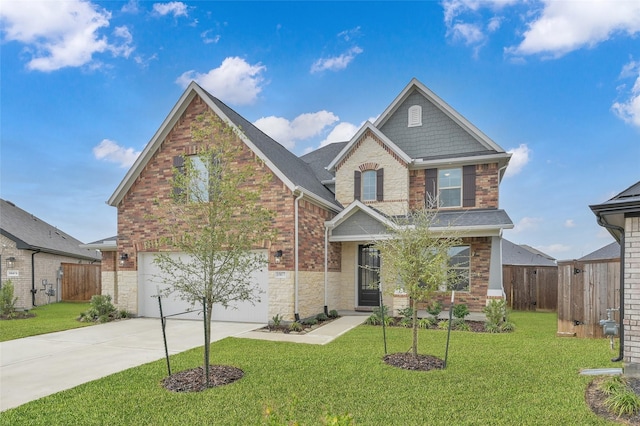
84,85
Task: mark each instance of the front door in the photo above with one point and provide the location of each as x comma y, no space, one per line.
368,276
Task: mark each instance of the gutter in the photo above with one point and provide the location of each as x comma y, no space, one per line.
33,278
296,312
603,223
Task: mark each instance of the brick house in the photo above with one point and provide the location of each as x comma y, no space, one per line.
621,217
33,254
330,205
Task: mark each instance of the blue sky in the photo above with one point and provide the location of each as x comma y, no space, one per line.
84,86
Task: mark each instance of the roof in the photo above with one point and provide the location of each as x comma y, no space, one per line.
319,159
296,174
612,212
608,252
31,233
523,255
107,244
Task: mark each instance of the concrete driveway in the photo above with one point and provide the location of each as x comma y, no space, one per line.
38,366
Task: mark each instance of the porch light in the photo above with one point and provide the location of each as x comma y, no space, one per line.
277,257
11,261
123,258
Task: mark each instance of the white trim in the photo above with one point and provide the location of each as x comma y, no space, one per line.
495,293
502,159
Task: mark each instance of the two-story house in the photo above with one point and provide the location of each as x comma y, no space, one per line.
330,205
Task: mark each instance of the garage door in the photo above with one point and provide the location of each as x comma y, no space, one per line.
150,283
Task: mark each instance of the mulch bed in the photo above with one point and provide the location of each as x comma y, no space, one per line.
594,398
17,315
194,381
407,361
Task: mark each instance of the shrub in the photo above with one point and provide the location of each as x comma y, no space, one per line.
276,320
460,324
406,322
497,317
435,308
613,385
321,317
443,325
102,310
7,300
333,314
406,312
426,322
373,320
310,321
623,402
460,311
295,326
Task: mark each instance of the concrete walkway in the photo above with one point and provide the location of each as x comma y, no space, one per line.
37,366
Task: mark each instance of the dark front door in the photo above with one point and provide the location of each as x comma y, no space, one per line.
368,276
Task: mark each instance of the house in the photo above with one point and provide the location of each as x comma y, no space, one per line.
34,256
620,215
530,278
330,205
587,288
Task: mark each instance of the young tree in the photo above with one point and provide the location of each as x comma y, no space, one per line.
416,257
215,221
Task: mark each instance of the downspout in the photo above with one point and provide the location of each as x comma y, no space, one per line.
296,313
33,278
602,222
326,267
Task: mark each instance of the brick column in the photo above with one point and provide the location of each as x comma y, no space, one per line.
632,297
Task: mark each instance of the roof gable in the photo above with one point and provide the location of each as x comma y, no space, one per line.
444,133
290,169
32,233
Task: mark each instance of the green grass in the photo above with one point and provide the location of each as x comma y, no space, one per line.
49,318
528,377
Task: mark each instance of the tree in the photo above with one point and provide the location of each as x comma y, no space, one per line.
216,220
416,257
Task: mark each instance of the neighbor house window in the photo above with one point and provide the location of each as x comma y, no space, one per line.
459,265
415,116
450,187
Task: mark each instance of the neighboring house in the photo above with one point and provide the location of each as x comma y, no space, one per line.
530,278
621,217
330,205
587,287
33,256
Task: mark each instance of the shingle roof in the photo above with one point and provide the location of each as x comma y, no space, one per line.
32,233
319,159
514,254
298,171
610,251
473,218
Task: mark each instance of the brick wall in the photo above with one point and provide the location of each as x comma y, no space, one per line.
632,297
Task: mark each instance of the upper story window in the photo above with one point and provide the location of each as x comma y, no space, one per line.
192,181
369,185
415,116
450,187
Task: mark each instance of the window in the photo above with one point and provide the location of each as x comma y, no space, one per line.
415,116
199,180
369,185
459,265
450,187
192,181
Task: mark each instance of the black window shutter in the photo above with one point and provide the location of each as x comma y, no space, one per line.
380,184
357,184
431,186
178,165
469,186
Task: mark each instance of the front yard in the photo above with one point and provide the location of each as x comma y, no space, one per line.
528,377
48,318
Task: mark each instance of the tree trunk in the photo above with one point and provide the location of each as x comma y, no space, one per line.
414,306
208,309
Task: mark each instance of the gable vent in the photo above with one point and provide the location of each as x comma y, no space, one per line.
415,116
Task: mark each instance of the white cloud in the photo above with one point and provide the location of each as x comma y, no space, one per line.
519,159
526,223
131,7
207,38
175,8
347,35
302,127
112,152
341,133
60,34
565,26
336,63
569,223
235,81
629,108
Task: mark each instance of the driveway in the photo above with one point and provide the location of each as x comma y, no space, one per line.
38,366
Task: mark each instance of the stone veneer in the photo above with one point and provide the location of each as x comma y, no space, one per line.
631,321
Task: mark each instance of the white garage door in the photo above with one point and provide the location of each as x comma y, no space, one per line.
149,283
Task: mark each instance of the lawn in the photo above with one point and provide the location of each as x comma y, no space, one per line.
49,318
529,377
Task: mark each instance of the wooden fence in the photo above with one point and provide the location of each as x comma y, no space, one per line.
585,291
80,282
531,288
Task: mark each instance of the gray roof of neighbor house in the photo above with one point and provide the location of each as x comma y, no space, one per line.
608,252
514,254
32,233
